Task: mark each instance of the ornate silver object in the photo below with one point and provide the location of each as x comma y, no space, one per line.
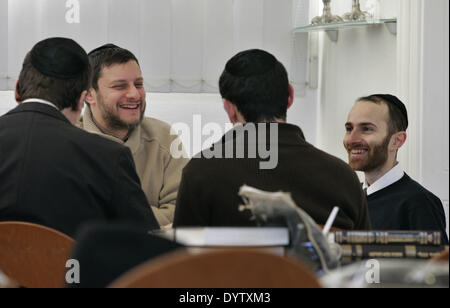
356,13
327,17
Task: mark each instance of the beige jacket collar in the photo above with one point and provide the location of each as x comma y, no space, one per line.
133,142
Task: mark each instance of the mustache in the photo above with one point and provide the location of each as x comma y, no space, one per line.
354,146
141,103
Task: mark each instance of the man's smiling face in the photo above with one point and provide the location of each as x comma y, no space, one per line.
367,136
120,97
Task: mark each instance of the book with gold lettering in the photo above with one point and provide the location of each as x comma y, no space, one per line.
361,252
423,238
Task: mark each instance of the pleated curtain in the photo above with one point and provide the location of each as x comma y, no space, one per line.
182,45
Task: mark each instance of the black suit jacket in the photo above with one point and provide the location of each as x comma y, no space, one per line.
55,174
106,251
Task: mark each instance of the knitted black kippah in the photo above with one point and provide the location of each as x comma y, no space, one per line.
60,58
394,101
251,63
106,46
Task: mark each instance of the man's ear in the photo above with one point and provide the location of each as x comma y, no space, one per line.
81,101
16,93
91,97
398,140
231,110
291,96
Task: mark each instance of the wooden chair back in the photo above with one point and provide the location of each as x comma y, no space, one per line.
6,282
442,257
33,255
228,268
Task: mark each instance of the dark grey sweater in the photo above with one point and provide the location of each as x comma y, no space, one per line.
406,205
317,181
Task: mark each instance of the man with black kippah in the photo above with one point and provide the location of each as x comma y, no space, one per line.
376,130
52,172
256,96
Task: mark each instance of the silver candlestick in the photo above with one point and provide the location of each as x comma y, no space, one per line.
356,13
327,17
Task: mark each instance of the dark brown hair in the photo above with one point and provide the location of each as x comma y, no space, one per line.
64,93
257,84
105,56
398,116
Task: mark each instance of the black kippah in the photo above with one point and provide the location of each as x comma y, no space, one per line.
60,58
394,101
251,63
106,46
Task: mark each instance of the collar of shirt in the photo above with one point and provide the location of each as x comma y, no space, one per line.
134,138
106,132
394,175
40,101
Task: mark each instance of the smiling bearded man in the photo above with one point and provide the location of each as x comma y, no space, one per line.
375,131
369,155
115,110
122,110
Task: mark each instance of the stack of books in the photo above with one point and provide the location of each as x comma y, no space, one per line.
362,245
270,239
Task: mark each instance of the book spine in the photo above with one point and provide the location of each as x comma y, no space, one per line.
388,237
358,252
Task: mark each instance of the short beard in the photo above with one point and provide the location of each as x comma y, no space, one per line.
378,158
113,122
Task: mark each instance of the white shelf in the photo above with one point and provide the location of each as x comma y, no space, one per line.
332,29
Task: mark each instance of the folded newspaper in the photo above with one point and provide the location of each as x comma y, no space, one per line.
307,242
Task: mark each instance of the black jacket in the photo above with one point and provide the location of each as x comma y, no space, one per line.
317,181
57,175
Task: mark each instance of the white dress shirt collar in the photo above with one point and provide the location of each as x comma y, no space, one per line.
394,175
41,101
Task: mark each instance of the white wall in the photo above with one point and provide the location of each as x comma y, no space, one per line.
423,72
181,107
3,45
6,101
183,45
434,149
361,62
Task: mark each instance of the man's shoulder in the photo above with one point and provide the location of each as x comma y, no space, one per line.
413,189
406,192
156,130
306,152
329,161
155,127
93,141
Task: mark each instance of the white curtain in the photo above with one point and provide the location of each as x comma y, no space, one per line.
182,45
3,44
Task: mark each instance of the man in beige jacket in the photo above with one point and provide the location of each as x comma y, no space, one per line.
115,110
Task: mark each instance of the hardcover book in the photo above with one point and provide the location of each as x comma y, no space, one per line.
387,237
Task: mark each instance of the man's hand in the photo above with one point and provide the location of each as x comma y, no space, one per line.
167,227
